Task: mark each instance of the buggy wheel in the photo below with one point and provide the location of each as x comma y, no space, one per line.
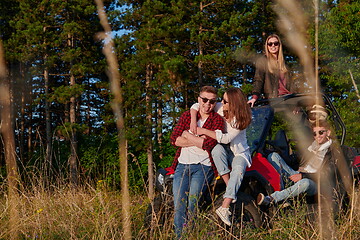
246,212
159,211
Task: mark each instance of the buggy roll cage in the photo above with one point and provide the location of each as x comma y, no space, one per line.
263,115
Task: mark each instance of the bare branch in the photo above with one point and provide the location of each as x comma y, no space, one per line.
355,86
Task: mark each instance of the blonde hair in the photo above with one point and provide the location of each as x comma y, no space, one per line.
275,65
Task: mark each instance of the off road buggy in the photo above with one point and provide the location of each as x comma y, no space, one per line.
278,125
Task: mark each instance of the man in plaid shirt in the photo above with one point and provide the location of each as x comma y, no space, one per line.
193,164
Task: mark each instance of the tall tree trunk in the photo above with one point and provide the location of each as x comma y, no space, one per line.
7,132
22,124
48,160
16,73
200,63
149,150
30,116
159,127
88,112
74,175
117,106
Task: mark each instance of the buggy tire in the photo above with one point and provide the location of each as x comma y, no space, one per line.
159,211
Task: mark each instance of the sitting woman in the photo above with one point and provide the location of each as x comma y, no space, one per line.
233,149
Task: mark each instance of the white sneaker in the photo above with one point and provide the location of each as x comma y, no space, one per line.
264,200
224,215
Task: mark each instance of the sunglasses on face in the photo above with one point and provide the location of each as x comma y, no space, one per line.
224,101
273,43
321,132
205,100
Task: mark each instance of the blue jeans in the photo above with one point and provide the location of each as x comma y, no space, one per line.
189,182
223,158
304,185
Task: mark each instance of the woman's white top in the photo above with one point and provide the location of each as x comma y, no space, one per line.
235,137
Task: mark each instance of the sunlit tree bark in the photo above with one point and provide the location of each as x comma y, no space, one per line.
7,133
149,151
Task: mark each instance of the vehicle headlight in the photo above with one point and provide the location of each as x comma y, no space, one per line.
161,179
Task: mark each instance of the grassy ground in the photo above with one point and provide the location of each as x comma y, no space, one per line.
94,213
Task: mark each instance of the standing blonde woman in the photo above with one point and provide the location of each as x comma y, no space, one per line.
271,75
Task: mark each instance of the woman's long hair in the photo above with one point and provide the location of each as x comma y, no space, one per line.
238,109
275,65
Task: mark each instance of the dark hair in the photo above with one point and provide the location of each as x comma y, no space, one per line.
321,123
317,112
209,89
238,108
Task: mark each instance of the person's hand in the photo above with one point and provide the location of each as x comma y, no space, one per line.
193,126
251,102
296,177
200,131
296,110
185,134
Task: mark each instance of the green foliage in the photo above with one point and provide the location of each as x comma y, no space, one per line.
169,50
172,48
167,151
63,94
339,59
36,165
346,23
99,158
247,88
349,110
66,130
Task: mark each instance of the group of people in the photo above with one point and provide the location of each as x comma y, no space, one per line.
211,139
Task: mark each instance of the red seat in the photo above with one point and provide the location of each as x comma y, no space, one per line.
264,167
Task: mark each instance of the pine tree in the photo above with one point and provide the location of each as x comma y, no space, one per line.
55,42
172,48
339,62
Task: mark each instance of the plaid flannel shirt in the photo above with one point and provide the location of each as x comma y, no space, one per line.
213,122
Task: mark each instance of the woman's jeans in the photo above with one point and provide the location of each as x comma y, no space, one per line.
189,183
223,158
304,185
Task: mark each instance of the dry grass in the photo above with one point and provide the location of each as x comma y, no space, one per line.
64,213
94,213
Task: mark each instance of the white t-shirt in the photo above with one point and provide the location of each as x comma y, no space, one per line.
235,137
194,155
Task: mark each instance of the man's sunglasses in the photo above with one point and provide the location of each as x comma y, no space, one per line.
321,132
205,100
273,43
